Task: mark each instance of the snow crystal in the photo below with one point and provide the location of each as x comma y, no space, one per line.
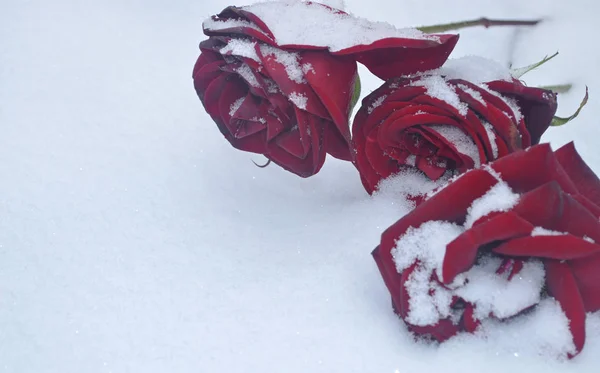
427,245
410,182
495,293
429,301
411,160
298,23
500,197
377,103
474,69
257,119
489,129
246,72
299,99
539,231
463,143
242,48
288,59
514,106
235,106
473,93
307,67
220,24
272,87
438,87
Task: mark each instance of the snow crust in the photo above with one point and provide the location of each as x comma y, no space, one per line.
297,23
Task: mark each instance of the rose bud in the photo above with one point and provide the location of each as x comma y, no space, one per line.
525,228
279,78
444,122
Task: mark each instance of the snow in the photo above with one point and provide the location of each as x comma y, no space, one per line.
494,293
410,182
242,48
438,87
134,238
296,23
463,143
236,105
288,59
489,129
499,198
299,99
539,231
474,69
427,245
377,103
473,93
509,101
246,73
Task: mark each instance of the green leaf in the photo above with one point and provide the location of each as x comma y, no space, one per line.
355,94
559,88
517,73
558,121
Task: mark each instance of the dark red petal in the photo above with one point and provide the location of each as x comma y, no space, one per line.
549,207
332,78
563,287
587,274
258,31
585,179
541,165
589,205
468,321
560,247
496,112
462,251
277,71
461,192
537,105
442,331
392,57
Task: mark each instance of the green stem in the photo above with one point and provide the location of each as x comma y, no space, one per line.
485,22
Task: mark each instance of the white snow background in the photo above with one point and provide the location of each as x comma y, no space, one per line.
134,238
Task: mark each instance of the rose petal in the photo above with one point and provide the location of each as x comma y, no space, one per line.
441,331
537,105
392,57
461,253
587,274
560,247
541,165
585,179
461,192
332,79
563,287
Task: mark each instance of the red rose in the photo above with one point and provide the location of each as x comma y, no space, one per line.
441,126
278,78
533,213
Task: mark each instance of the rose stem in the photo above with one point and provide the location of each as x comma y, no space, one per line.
485,22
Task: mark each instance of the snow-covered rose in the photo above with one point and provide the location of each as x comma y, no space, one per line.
496,242
442,125
279,78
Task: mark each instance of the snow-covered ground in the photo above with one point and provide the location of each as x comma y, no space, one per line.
134,238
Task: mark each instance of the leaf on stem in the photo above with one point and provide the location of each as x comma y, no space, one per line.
517,73
558,121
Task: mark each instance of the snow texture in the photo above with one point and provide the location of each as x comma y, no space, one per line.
296,23
474,69
499,198
134,238
438,87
